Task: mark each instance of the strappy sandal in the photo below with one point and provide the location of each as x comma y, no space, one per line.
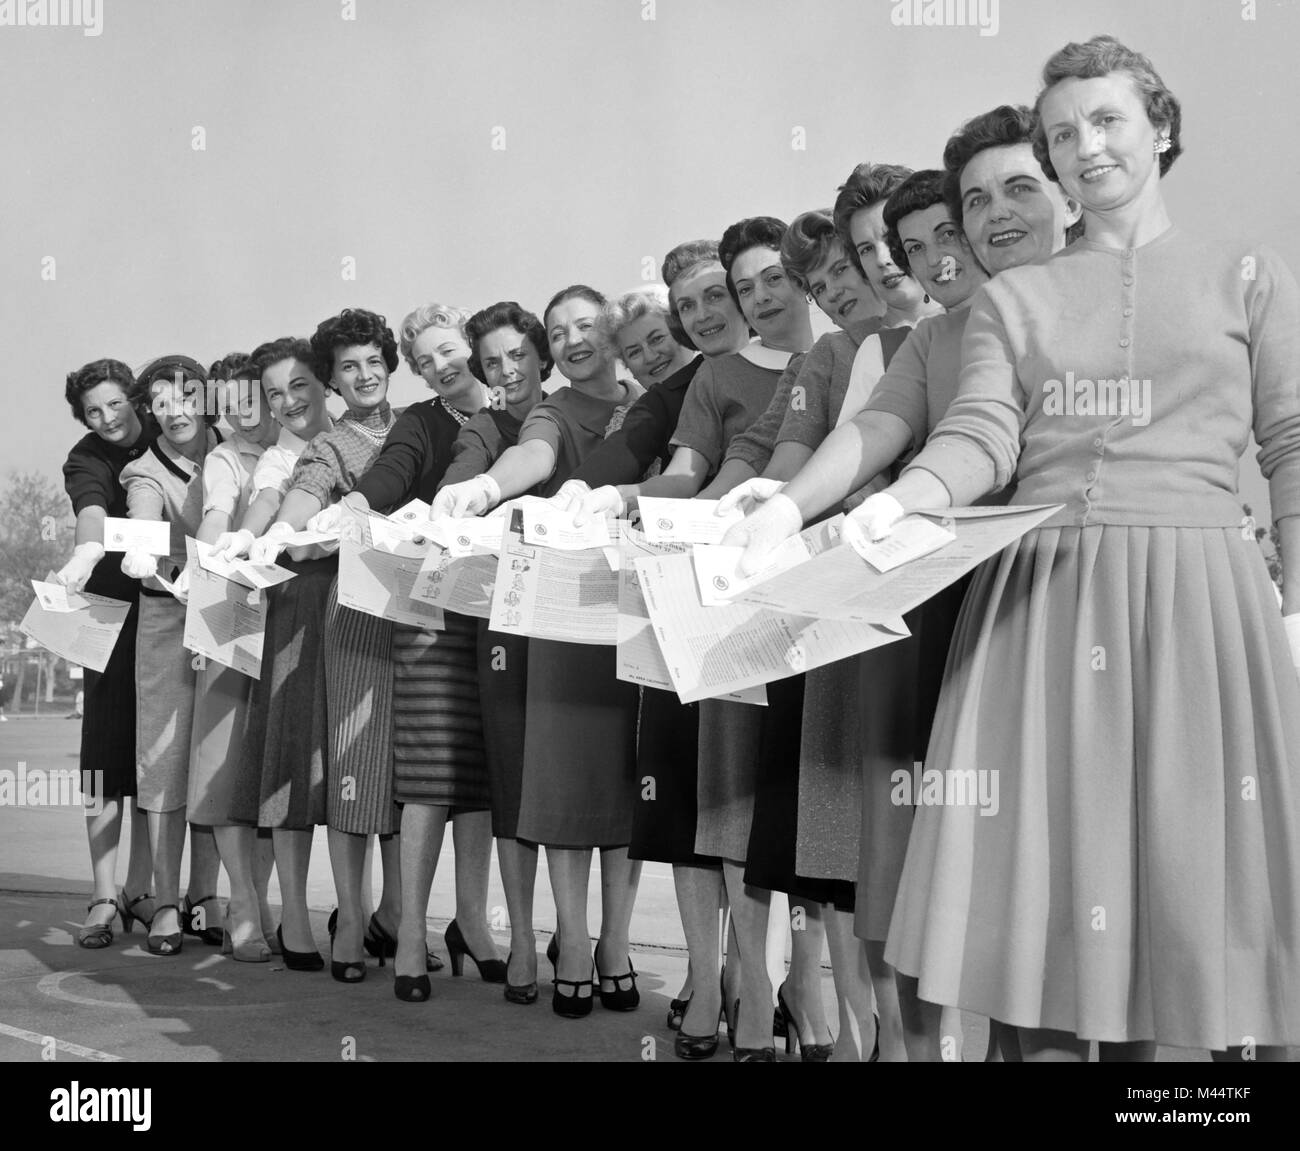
126,908
165,944
93,936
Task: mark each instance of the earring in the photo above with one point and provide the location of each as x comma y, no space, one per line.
1163,144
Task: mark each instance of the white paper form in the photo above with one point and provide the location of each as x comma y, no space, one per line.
84,635
552,594
52,596
684,521
471,535
456,583
839,584
711,650
717,567
126,535
225,622
545,524
244,572
639,659
376,575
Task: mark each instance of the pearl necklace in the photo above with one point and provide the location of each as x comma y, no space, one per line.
374,435
456,414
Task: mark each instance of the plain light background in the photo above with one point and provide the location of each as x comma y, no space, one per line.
373,139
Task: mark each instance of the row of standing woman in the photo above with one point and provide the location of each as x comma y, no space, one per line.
374,728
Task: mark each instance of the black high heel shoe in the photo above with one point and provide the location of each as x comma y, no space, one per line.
523,993
353,971
165,944
126,908
749,1054
298,960
620,998
412,988
210,933
93,936
573,1006
489,970
695,1046
382,945
808,1052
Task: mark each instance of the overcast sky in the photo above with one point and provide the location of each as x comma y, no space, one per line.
472,150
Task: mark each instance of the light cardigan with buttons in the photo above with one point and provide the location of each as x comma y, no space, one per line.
1216,332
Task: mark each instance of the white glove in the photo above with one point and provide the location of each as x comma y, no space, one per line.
74,574
754,493
761,531
1292,625
570,496
233,545
597,504
181,585
267,549
139,565
341,517
876,516
469,498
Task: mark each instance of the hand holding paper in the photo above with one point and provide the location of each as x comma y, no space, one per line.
749,496
468,498
913,537
267,549
763,531
546,524
875,516
74,574
718,575
232,545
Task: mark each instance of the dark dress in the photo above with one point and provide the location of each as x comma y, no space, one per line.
437,727
90,477
580,726
502,658
663,823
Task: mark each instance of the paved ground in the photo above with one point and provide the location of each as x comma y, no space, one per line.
124,1003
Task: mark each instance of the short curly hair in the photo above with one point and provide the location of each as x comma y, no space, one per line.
1002,127
285,348
429,316
630,307
751,232
919,191
680,260
231,366
507,314
867,185
106,371
806,243
1098,57
351,328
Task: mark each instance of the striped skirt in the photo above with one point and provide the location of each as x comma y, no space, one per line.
437,727
281,777
359,699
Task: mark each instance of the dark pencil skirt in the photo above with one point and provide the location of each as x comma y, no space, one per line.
667,757
108,714
579,748
503,698
281,781
773,833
